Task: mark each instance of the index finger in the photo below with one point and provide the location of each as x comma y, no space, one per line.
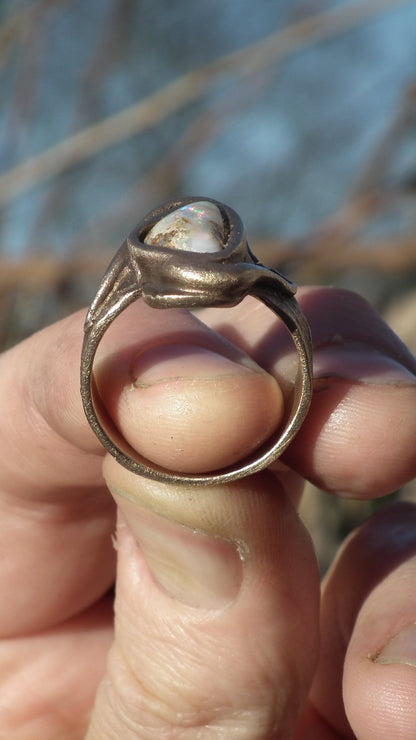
57,517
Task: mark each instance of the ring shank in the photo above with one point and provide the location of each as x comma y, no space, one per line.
282,305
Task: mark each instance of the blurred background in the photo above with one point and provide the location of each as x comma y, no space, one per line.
300,114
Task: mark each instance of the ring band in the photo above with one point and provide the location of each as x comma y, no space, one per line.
167,275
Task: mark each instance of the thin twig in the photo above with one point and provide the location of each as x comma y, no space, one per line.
183,91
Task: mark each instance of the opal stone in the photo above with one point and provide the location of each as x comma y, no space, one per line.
196,227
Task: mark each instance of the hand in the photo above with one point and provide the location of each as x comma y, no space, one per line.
217,599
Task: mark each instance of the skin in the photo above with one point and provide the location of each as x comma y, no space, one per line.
219,629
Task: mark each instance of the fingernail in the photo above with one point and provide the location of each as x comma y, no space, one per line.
359,363
167,361
400,649
197,569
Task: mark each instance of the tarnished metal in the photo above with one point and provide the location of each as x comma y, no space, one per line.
169,278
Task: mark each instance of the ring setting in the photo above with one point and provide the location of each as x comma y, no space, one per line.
192,253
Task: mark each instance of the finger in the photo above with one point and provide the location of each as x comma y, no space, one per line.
216,612
45,440
184,397
358,436
366,681
57,518
48,680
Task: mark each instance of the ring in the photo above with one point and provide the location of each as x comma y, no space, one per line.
191,253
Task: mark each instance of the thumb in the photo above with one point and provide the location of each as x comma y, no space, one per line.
217,588
216,625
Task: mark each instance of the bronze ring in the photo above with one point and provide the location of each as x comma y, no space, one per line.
167,274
